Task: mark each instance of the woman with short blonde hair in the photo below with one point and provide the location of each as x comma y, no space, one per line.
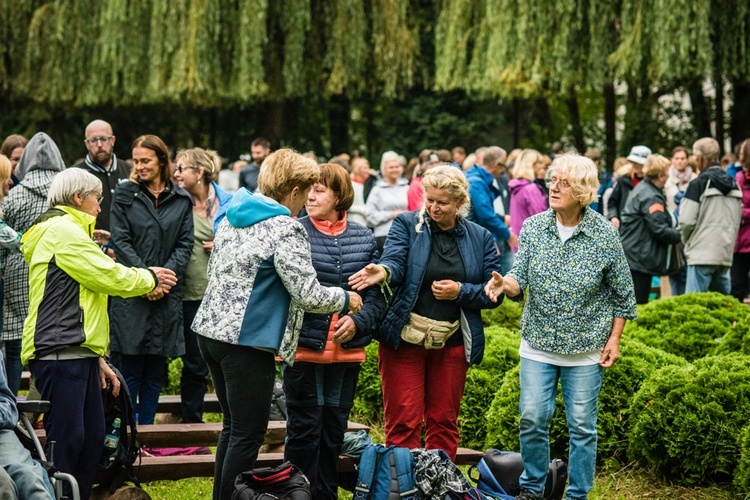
260,283
571,271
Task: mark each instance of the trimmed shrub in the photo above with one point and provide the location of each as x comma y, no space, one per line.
506,315
742,474
686,420
500,356
690,326
737,340
619,386
368,400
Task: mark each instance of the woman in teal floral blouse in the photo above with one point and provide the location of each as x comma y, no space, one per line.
579,293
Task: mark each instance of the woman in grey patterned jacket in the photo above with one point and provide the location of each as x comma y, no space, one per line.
260,282
40,162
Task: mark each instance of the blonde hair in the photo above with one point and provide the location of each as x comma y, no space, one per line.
447,178
5,168
581,174
285,169
524,166
197,158
656,166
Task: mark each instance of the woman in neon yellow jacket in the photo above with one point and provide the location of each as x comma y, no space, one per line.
67,330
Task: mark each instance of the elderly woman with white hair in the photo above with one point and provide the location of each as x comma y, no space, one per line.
437,262
579,293
66,333
389,196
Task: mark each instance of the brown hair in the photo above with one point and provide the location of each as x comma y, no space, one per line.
678,149
12,142
744,154
285,169
655,166
337,179
161,150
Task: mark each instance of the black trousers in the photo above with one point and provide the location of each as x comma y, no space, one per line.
193,383
642,284
318,400
739,275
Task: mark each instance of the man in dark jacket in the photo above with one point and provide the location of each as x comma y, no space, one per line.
102,162
259,149
625,185
710,215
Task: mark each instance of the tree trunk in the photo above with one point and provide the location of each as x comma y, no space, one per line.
339,117
273,122
701,115
719,111
545,117
610,117
575,120
739,126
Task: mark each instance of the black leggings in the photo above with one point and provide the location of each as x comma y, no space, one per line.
739,274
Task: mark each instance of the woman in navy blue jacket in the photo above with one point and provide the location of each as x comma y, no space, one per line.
437,262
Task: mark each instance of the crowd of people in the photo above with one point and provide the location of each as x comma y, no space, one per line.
238,266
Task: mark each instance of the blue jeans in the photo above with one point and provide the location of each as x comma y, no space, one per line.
143,373
580,390
13,365
677,282
506,260
708,279
29,477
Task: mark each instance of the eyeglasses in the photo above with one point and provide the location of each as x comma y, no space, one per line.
181,169
96,140
561,183
99,197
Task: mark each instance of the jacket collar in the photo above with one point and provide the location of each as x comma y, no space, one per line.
87,221
586,225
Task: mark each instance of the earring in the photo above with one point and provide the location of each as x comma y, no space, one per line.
199,181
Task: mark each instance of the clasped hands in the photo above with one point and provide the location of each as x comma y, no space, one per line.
166,279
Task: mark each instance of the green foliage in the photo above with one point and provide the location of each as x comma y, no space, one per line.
500,357
690,325
737,340
742,474
619,386
506,315
368,400
174,372
686,420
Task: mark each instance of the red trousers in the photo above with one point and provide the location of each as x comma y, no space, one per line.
422,386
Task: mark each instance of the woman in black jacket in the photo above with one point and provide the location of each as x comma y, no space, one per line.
647,230
152,225
319,387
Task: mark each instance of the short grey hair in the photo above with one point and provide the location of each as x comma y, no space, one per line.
69,182
708,148
581,173
494,154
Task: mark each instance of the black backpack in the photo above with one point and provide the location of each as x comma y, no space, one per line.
285,482
499,472
122,468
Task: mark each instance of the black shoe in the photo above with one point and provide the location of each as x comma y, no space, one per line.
527,495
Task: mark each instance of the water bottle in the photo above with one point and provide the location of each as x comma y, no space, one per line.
111,442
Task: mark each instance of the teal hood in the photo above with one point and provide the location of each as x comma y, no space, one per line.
247,209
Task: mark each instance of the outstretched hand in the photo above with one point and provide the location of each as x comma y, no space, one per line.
371,274
495,286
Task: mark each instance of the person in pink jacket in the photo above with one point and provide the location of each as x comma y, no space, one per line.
741,258
526,196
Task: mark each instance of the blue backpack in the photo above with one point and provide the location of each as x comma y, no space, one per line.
386,473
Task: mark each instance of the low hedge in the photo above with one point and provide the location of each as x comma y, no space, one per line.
686,420
506,315
368,399
500,356
742,474
691,326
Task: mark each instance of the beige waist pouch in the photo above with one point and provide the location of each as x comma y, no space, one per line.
430,333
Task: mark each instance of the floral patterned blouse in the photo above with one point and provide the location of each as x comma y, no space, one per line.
575,289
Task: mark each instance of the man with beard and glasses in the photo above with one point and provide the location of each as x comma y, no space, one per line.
102,162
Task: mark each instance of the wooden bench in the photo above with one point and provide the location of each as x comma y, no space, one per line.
173,404
181,467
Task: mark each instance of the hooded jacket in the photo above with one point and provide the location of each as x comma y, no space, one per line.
619,196
40,162
526,199
483,195
710,215
70,279
261,279
143,236
646,231
384,199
